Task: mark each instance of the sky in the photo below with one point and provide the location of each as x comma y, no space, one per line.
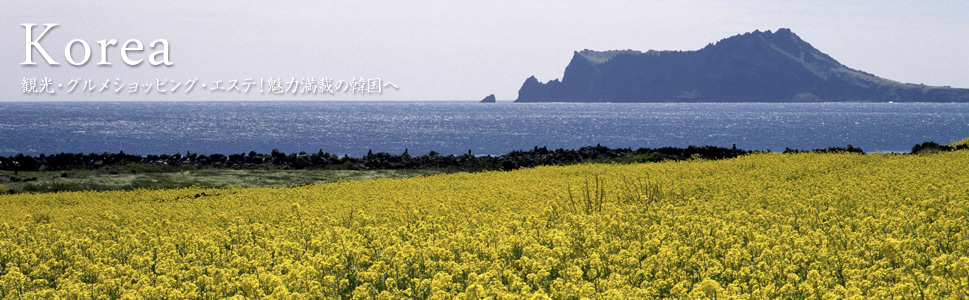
442,50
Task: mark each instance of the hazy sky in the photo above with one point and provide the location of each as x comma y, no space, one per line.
455,50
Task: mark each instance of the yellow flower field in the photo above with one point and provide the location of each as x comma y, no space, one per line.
764,226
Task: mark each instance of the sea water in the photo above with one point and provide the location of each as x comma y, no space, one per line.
455,127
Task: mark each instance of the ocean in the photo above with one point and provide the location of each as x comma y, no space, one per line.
456,127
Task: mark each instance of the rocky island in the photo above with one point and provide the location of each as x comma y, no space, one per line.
753,67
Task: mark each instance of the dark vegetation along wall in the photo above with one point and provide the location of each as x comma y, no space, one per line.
381,160
320,160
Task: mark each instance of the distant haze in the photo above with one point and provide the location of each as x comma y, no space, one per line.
457,50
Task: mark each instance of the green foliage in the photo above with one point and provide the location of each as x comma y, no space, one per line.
962,142
85,180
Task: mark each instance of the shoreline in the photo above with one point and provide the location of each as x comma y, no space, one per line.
382,160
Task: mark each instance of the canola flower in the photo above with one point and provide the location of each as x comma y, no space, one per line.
764,226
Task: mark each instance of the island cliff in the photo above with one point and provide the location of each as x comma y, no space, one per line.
753,67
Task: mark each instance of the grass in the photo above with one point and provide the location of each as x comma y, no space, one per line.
97,180
635,158
151,176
